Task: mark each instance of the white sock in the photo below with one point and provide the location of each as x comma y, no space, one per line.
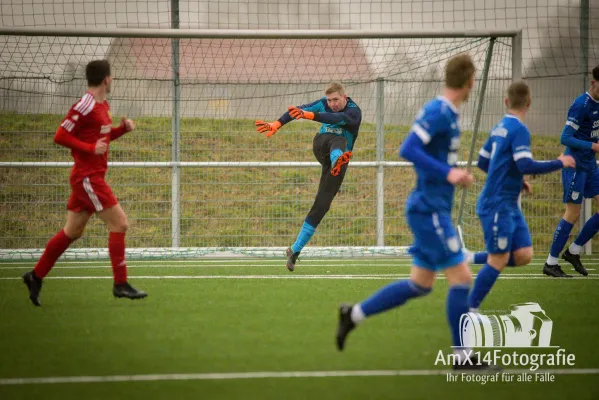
469,256
552,260
574,248
357,315
474,310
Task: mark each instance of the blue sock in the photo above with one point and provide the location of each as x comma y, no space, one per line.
457,304
590,228
391,296
335,155
485,279
303,238
560,237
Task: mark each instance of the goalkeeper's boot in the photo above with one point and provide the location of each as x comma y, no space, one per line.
128,291
555,271
574,259
340,162
346,325
472,362
291,259
34,284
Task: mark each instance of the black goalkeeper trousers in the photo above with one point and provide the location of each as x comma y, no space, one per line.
322,146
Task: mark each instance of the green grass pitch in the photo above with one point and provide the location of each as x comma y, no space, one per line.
240,329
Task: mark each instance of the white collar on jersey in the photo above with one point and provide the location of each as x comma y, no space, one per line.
513,116
449,103
591,97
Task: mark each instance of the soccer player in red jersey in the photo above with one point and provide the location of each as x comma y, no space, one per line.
87,130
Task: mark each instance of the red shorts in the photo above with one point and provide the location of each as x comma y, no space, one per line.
92,194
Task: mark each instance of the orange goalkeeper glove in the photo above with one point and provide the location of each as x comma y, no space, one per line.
298,113
270,128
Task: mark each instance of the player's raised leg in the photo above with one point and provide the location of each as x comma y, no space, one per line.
588,231
323,147
73,229
391,296
117,223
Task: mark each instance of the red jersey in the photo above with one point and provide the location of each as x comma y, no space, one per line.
87,122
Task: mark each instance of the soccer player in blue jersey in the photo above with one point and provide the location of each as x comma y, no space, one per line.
580,136
332,146
432,146
506,157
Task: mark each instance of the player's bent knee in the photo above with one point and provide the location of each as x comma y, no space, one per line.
572,213
498,261
523,256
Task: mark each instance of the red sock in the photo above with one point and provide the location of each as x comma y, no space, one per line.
54,249
116,249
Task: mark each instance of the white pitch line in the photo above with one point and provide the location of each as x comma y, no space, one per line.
27,267
273,374
265,262
342,277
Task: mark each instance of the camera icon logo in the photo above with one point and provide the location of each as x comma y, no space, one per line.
527,325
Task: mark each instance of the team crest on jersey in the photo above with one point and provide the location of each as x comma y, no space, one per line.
502,243
575,195
453,244
75,117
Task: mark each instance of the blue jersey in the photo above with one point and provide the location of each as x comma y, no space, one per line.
509,141
581,131
437,127
345,122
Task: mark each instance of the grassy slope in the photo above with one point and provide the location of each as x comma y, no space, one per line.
230,206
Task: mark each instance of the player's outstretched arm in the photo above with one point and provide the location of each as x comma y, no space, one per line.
66,139
347,117
125,126
270,128
528,166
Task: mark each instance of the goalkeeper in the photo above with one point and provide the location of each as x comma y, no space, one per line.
340,117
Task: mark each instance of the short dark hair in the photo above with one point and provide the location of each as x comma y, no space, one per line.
518,95
96,71
458,71
596,73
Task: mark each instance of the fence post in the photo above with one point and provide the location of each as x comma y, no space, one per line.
176,134
380,156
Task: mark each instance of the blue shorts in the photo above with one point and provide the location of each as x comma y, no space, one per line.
505,230
579,184
436,243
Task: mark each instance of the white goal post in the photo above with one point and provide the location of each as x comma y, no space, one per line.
195,93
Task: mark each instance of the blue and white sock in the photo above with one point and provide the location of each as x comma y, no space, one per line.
560,237
590,228
388,297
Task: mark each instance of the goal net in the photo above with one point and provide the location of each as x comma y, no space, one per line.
195,178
